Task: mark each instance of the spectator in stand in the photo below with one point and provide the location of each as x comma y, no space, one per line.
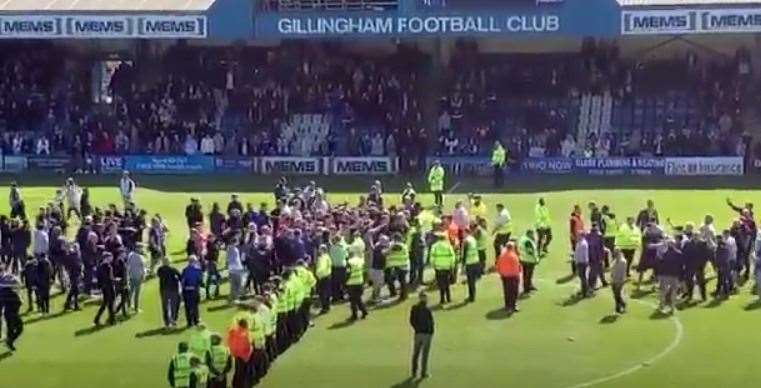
207,145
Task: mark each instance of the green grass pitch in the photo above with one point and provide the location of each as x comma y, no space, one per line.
550,343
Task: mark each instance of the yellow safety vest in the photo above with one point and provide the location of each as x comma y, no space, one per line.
182,370
219,356
356,271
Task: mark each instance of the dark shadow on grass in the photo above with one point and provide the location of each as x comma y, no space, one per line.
716,302
42,318
657,315
91,330
342,325
608,319
755,305
684,305
572,300
641,293
498,314
409,382
456,306
387,305
565,279
161,331
5,355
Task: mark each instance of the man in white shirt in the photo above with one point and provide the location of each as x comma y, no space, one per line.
207,145
581,260
73,198
236,270
127,189
460,216
376,147
41,242
43,146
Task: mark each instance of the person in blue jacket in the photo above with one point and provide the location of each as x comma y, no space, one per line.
192,281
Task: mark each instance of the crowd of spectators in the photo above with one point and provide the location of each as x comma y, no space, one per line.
531,102
322,99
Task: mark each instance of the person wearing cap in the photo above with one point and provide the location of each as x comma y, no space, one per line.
436,183
180,368
135,275
192,281
443,260
219,361
105,275
127,189
509,268
322,271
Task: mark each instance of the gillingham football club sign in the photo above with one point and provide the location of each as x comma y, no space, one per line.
700,21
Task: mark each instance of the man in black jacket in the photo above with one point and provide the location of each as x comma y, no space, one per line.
421,320
169,288
106,282
696,257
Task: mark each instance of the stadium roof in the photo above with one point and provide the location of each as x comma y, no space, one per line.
632,3
104,5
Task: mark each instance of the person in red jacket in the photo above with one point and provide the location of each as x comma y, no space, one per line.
509,268
240,347
576,223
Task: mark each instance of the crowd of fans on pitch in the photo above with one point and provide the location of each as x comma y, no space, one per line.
254,102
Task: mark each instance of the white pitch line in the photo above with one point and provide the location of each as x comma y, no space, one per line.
453,188
670,348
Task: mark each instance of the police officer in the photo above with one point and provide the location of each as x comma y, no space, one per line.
398,266
322,271
543,226
10,304
219,361
529,258
199,373
443,260
498,158
355,285
436,182
180,368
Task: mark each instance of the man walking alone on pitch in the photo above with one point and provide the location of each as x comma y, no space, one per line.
421,320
